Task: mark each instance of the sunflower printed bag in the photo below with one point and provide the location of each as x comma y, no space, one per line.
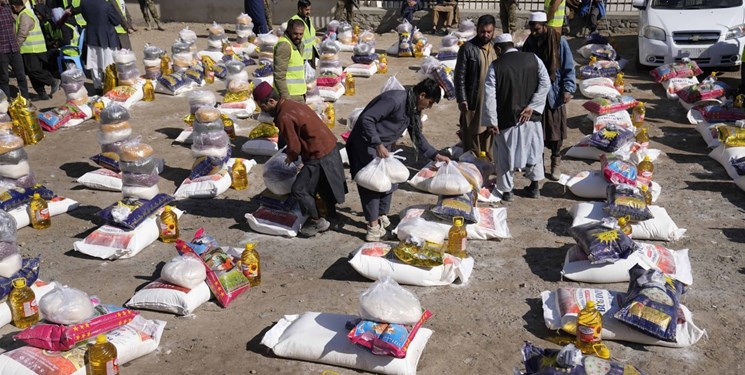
602,244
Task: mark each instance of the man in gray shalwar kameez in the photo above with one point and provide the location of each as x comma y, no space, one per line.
515,96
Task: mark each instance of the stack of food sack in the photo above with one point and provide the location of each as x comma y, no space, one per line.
244,35
278,219
568,360
128,89
10,259
71,319
225,277
710,89
25,115
14,167
180,289
197,99
131,225
216,43
183,56
364,51
312,93
649,313
127,73
364,58
404,46
211,149
601,51
447,54
676,76
262,140
330,78
152,60
466,31
189,37
345,36
184,75
113,132
237,96
265,71
75,110
599,68
139,168
386,337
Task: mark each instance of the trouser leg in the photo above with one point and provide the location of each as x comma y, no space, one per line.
370,201
145,12
466,137
304,189
34,66
504,173
268,12
4,76
435,18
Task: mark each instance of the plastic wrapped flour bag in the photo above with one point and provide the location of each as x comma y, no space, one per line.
449,181
278,175
65,305
185,271
374,176
386,301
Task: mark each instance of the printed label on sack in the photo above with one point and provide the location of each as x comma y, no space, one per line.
30,308
42,215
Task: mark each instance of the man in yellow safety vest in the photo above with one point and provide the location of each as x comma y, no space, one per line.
310,52
555,11
121,31
33,49
289,65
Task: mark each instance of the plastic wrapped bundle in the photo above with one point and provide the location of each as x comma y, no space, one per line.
329,46
13,157
405,27
139,179
344,33
147,165
217,32
201,98
367,37
179,47
466,30
152,52
183,61
210,126
187,35
134,150
267,41
71,76
114,114
363,49
123,56
234,67
212,144
152,68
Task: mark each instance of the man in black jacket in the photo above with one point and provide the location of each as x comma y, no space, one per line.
474,59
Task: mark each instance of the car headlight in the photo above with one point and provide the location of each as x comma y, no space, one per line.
736,32
652,32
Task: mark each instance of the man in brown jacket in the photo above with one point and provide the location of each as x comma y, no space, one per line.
307,138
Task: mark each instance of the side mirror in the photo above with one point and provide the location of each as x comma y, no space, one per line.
639,4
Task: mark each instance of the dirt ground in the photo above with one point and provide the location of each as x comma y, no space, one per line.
479,327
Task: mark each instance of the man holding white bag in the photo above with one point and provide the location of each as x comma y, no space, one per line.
307,138
378,127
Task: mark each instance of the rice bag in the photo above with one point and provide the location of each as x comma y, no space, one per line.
405,46
652,303
388,339
184,271
444,77
626,200
601,106
703,91
65,305
129,213
449,207
611,138
618,171
683,69
386,301
602,244
278,176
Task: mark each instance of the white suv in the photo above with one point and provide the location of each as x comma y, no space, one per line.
710,32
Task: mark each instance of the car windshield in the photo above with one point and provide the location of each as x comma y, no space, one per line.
695,4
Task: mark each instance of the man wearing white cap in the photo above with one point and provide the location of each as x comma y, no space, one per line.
553,50
515,96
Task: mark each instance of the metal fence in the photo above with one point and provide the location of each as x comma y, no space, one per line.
612,6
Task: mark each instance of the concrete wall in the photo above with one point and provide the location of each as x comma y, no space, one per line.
379,19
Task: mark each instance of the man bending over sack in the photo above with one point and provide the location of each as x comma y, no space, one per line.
378,127
307,137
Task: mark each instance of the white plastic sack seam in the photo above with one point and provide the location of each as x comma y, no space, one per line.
161,296
661,227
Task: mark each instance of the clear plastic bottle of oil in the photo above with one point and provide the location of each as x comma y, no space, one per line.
148,91
623,223
383,64
457,238
38,212
209,75
642,137
229,125
619,84
589,329
644,171
165,65
168,225
23,306
98,106
321,206
330,116
739,101
647,194
349,89
102,358
238,175
251,264
638,114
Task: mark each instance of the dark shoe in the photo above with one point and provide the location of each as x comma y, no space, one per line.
555,171
55,86
507,196
43,97
533,191
160,28
313,227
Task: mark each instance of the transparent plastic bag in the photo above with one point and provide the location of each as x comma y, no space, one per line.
145,165
139,179
278,175
216,30
72,75
13,157
449,181
234,67
187,35
201,98
374,176
179,47
392,84
133,149
218,139
65,305
123,56
7,227
208,127
386,301
330,46
152,52
185,271
114,114
405,27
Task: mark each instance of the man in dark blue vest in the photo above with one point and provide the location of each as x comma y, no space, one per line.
514,98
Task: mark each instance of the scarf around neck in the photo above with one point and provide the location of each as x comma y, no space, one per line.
415,120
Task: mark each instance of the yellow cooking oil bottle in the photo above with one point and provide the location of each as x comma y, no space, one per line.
102,358
251,264
349,89
618,83
645,171
23,307
238,175
637,115
457,238
647,194
642,137
623,223
148,91
168,225
589,329
329,116
383,64
38,211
